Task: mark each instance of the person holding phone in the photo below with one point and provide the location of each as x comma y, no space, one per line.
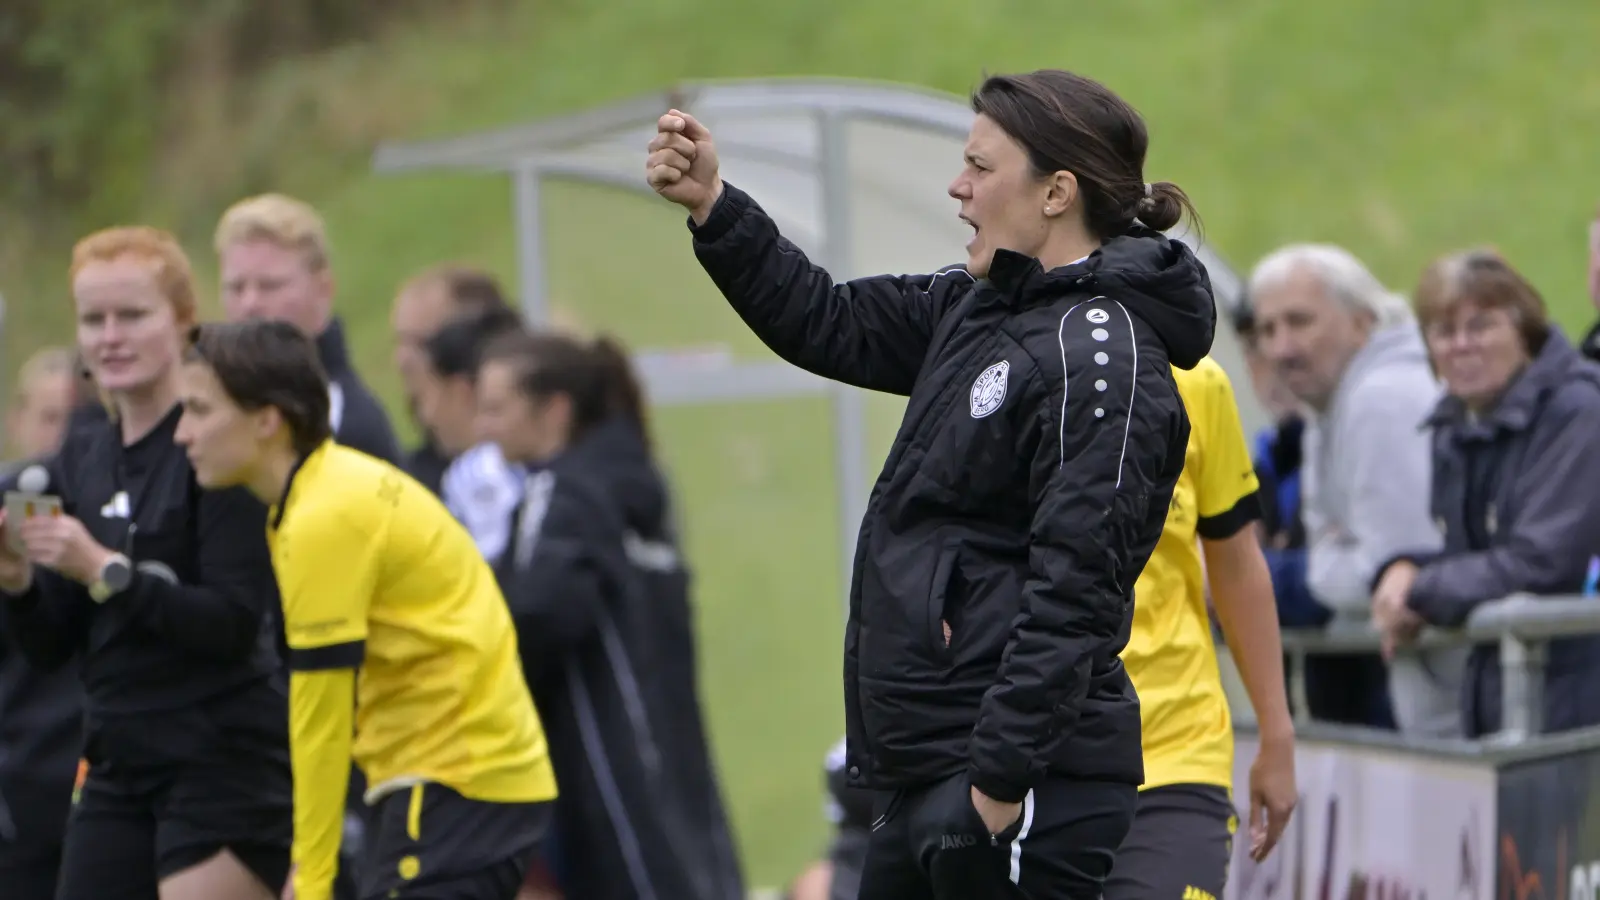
161,593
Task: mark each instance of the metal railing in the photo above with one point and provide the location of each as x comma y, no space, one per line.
1521,624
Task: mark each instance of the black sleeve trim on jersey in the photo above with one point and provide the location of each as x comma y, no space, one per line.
1222,526
348,655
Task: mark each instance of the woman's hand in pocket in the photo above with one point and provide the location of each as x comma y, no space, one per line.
997,816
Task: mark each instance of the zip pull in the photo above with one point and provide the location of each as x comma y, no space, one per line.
127,549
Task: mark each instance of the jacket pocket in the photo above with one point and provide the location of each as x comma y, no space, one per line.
937,624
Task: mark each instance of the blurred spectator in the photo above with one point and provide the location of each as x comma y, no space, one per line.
600,597
1591,341
41,737
47,390
837,876
1346,689
1277,466
1350,351
40,711
423,305
1515,479
273,252
480,488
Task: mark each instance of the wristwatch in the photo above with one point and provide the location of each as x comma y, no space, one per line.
115,576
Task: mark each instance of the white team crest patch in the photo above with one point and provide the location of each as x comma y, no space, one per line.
989,391
1097,316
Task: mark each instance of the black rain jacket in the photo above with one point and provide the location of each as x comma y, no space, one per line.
600,597
1028,484
183,661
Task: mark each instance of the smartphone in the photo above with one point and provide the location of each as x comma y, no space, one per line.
21,505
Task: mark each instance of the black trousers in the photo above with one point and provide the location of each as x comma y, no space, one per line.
929,843
1179,846
127,834
30,879
428,842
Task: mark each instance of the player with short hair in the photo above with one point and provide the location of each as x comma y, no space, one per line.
480,487
376,577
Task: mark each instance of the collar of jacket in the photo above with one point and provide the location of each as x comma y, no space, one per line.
1020,280
1520,404
332,350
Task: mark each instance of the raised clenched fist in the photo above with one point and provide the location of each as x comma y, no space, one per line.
682,166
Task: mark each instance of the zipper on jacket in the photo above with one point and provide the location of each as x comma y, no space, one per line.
962,310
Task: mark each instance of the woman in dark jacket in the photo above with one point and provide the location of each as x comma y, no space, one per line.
1042,441
159,592
1515,475
599,594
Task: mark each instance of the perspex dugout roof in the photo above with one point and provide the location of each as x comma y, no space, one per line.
854,172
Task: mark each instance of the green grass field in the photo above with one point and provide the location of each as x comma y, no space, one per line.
1399,130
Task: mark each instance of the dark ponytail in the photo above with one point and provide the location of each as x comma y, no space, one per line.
1165,206
624,394
597,377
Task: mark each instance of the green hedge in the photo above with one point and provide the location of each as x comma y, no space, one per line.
83,82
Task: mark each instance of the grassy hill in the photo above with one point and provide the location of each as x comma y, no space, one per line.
1399,130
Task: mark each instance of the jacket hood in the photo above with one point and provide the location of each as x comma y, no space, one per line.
1398,344
1156,277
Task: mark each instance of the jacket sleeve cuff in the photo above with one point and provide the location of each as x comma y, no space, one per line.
996,788
725,213
1417,559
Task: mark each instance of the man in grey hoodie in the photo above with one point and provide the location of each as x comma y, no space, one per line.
1351,352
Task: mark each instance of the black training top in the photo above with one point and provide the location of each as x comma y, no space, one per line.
192,625
1028,484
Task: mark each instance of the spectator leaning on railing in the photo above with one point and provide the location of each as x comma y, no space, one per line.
1516,479
1344,688
1350,351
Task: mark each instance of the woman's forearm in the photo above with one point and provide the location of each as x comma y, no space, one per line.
1241,590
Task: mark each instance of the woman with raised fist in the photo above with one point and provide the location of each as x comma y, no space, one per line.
1029,482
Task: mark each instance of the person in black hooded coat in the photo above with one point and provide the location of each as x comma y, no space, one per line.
600,596
1028,485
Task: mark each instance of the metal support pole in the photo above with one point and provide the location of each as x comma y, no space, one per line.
1521,688
849,407
529,218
